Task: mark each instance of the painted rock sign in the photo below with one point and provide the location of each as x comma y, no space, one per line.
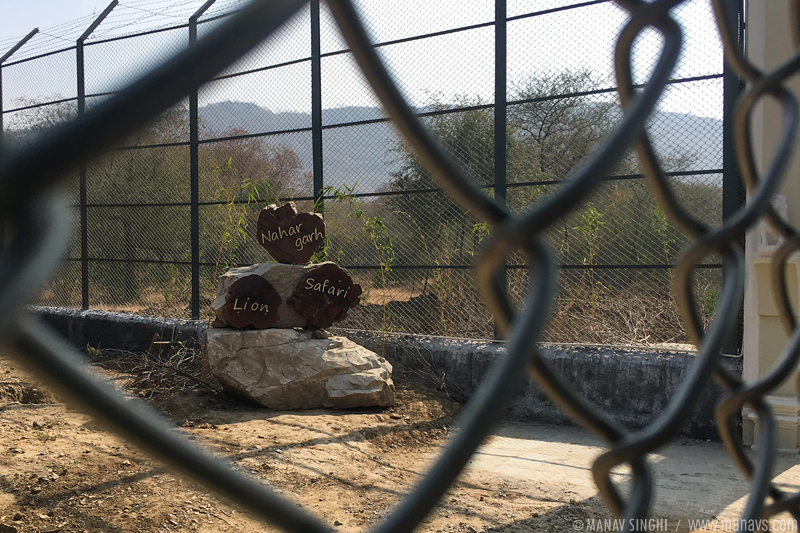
252,301
325,294
289,236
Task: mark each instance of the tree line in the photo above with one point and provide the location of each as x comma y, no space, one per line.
554,123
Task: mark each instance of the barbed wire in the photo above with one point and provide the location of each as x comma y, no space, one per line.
128,18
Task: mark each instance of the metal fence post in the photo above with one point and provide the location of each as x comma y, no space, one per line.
2,126
733,193
5,56
316,107
82,170
194,172
500,116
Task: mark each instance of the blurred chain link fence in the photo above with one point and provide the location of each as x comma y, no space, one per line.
294,119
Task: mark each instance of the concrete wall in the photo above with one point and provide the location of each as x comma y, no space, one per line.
101,329
633,386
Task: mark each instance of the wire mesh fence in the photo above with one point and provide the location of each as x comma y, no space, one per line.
295,119
39,222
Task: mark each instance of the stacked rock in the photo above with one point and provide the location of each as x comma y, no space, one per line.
253,348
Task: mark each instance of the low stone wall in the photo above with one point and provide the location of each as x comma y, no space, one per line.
633,386
123,331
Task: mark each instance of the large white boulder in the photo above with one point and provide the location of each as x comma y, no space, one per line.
290,369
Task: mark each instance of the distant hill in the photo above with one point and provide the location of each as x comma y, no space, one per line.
363,153
685,134
352,154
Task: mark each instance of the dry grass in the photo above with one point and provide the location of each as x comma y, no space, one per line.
166,368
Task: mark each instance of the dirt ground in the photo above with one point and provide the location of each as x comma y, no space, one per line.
60,471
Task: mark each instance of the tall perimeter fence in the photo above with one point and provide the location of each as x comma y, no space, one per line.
519,92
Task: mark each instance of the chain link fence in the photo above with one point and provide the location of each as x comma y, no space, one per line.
294,119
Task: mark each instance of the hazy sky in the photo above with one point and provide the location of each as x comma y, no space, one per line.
21,16
459,64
